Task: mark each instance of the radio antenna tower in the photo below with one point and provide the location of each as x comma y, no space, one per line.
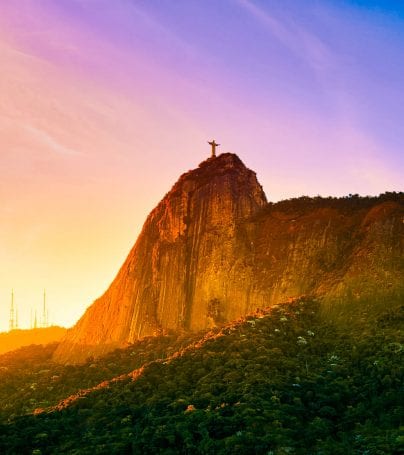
12,321
44,311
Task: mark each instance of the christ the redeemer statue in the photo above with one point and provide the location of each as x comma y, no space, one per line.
214,145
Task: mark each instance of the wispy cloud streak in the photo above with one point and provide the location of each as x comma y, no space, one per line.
49,141
303,44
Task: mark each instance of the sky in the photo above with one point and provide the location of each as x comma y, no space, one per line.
103,105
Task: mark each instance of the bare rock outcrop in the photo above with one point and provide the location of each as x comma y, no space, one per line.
180,265
214,250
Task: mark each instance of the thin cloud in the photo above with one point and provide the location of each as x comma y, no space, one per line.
298,40
49,141
166,33
133,10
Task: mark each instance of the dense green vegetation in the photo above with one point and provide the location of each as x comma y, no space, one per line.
292,382
350,203
29,379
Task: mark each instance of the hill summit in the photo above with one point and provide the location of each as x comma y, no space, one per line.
213,250
176,266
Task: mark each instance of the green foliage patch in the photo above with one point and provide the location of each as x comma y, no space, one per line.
292,382
29,379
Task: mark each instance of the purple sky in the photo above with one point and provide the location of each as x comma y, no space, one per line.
103,104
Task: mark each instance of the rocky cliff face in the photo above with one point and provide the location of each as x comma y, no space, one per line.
177,264
213,250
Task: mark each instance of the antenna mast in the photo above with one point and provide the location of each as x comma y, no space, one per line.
12,321
44,311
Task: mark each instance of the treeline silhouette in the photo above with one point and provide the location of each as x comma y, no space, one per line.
347,203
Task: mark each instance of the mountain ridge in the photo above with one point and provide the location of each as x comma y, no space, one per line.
214,249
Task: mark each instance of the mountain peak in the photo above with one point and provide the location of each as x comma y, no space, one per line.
225,164
219,165
203,258
158,288
224,160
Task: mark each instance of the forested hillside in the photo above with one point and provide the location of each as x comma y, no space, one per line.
290,380
29,379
